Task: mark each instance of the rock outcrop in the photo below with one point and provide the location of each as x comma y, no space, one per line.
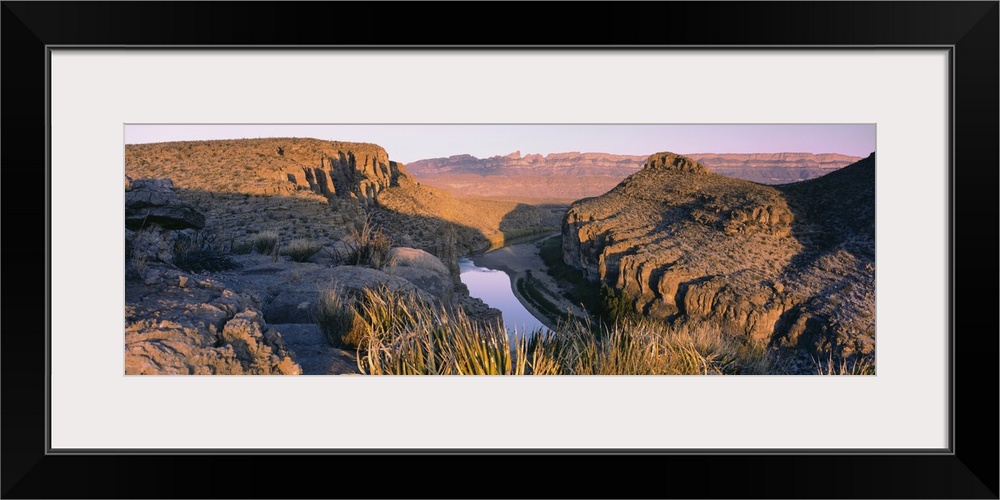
793,264
178,324
156,220
330,169
422,269
153,202
576,175
296,288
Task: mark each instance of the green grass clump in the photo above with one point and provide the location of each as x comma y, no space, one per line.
301,250
266,242
398,333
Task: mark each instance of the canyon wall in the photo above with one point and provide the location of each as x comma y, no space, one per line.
792,264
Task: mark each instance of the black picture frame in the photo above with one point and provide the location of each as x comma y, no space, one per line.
968,470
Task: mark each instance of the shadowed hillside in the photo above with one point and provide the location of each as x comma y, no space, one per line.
322,189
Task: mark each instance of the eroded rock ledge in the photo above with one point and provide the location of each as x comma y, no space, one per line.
793,264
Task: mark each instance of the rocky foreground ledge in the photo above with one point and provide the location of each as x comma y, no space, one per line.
191,309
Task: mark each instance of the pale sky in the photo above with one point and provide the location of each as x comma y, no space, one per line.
407,143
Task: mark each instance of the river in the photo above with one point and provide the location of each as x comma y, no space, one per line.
494,288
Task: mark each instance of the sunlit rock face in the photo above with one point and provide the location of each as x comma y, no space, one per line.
793,264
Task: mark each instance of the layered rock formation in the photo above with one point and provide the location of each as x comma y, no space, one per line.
793,264
576,175
273,166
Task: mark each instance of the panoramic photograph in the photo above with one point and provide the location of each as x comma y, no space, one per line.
528,249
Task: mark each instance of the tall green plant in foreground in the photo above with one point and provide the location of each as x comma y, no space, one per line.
398,333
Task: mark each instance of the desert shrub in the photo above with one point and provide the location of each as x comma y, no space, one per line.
201,251
266,242
301,250
368,246
337,319
616,306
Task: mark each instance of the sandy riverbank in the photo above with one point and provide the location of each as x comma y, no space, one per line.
517,261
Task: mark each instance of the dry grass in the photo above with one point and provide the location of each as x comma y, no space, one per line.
301,250
647,347
864,365
368,246
338,320
266,242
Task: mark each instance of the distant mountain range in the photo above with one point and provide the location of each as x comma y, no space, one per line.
575,175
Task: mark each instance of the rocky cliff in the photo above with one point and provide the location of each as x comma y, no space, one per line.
273,166
793,264
576,175
318,189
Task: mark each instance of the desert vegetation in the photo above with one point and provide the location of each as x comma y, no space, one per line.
398,333
368,246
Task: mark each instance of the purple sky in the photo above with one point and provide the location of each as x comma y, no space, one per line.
407,143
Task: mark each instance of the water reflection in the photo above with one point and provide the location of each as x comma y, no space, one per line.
494,288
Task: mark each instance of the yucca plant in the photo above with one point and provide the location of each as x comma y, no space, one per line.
398,333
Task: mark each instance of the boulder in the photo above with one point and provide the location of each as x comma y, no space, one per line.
151,202
201,328
295,300
422,269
